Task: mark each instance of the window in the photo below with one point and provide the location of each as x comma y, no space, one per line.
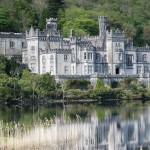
144,57
105,60
129,61
51,59
72,69
65,57
32,59
73,57
12,44
137,58
43,59
32,64
32,48
66,69
84,55
23,45
98,69
33,68
139,68
85,69
90,56
90,69
120,57
26,60
97,57
146,69
51,69
118,45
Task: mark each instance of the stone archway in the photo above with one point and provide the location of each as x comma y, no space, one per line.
117,70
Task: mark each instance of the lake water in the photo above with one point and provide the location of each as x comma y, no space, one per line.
75,127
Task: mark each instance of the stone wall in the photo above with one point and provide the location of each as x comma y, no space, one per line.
107,78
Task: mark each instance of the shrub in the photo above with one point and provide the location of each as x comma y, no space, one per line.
78,84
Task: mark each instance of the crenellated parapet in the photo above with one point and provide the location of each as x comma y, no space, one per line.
90,38
51,20
86,44
55,51
142,48
11,35
99,48
32,33
115,34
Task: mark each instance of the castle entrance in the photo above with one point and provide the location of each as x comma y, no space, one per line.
117,70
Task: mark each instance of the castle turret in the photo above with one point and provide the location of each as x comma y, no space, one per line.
102,26
51,24
51,27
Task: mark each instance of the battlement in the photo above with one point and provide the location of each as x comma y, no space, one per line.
51,20
91,37
32,32
55,50
146,48
102,17
99,48
12,35
115,34
85,44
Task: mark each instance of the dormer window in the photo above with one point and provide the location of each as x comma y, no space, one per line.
12,44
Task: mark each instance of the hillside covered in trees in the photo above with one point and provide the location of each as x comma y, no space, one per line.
132,16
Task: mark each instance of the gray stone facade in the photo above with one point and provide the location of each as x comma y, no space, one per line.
108,53
12,45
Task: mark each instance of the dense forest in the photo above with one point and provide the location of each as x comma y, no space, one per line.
132,16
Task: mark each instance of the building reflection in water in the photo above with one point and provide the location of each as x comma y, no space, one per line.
115,133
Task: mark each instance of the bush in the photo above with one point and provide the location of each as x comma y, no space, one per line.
100,83
78,84
77,94
114,84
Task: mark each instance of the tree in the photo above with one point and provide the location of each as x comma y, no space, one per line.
77,84
29,84
146,34
2,64
13,68
14,87
54,6
46,85
4,89
100,83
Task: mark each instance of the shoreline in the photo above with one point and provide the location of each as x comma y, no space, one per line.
102,102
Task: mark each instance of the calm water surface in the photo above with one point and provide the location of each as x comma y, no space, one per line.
75,127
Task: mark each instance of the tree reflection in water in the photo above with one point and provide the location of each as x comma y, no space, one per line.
65,131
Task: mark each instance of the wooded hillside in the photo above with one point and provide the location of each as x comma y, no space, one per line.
133,16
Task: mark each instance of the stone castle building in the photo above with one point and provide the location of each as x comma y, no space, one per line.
48,51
